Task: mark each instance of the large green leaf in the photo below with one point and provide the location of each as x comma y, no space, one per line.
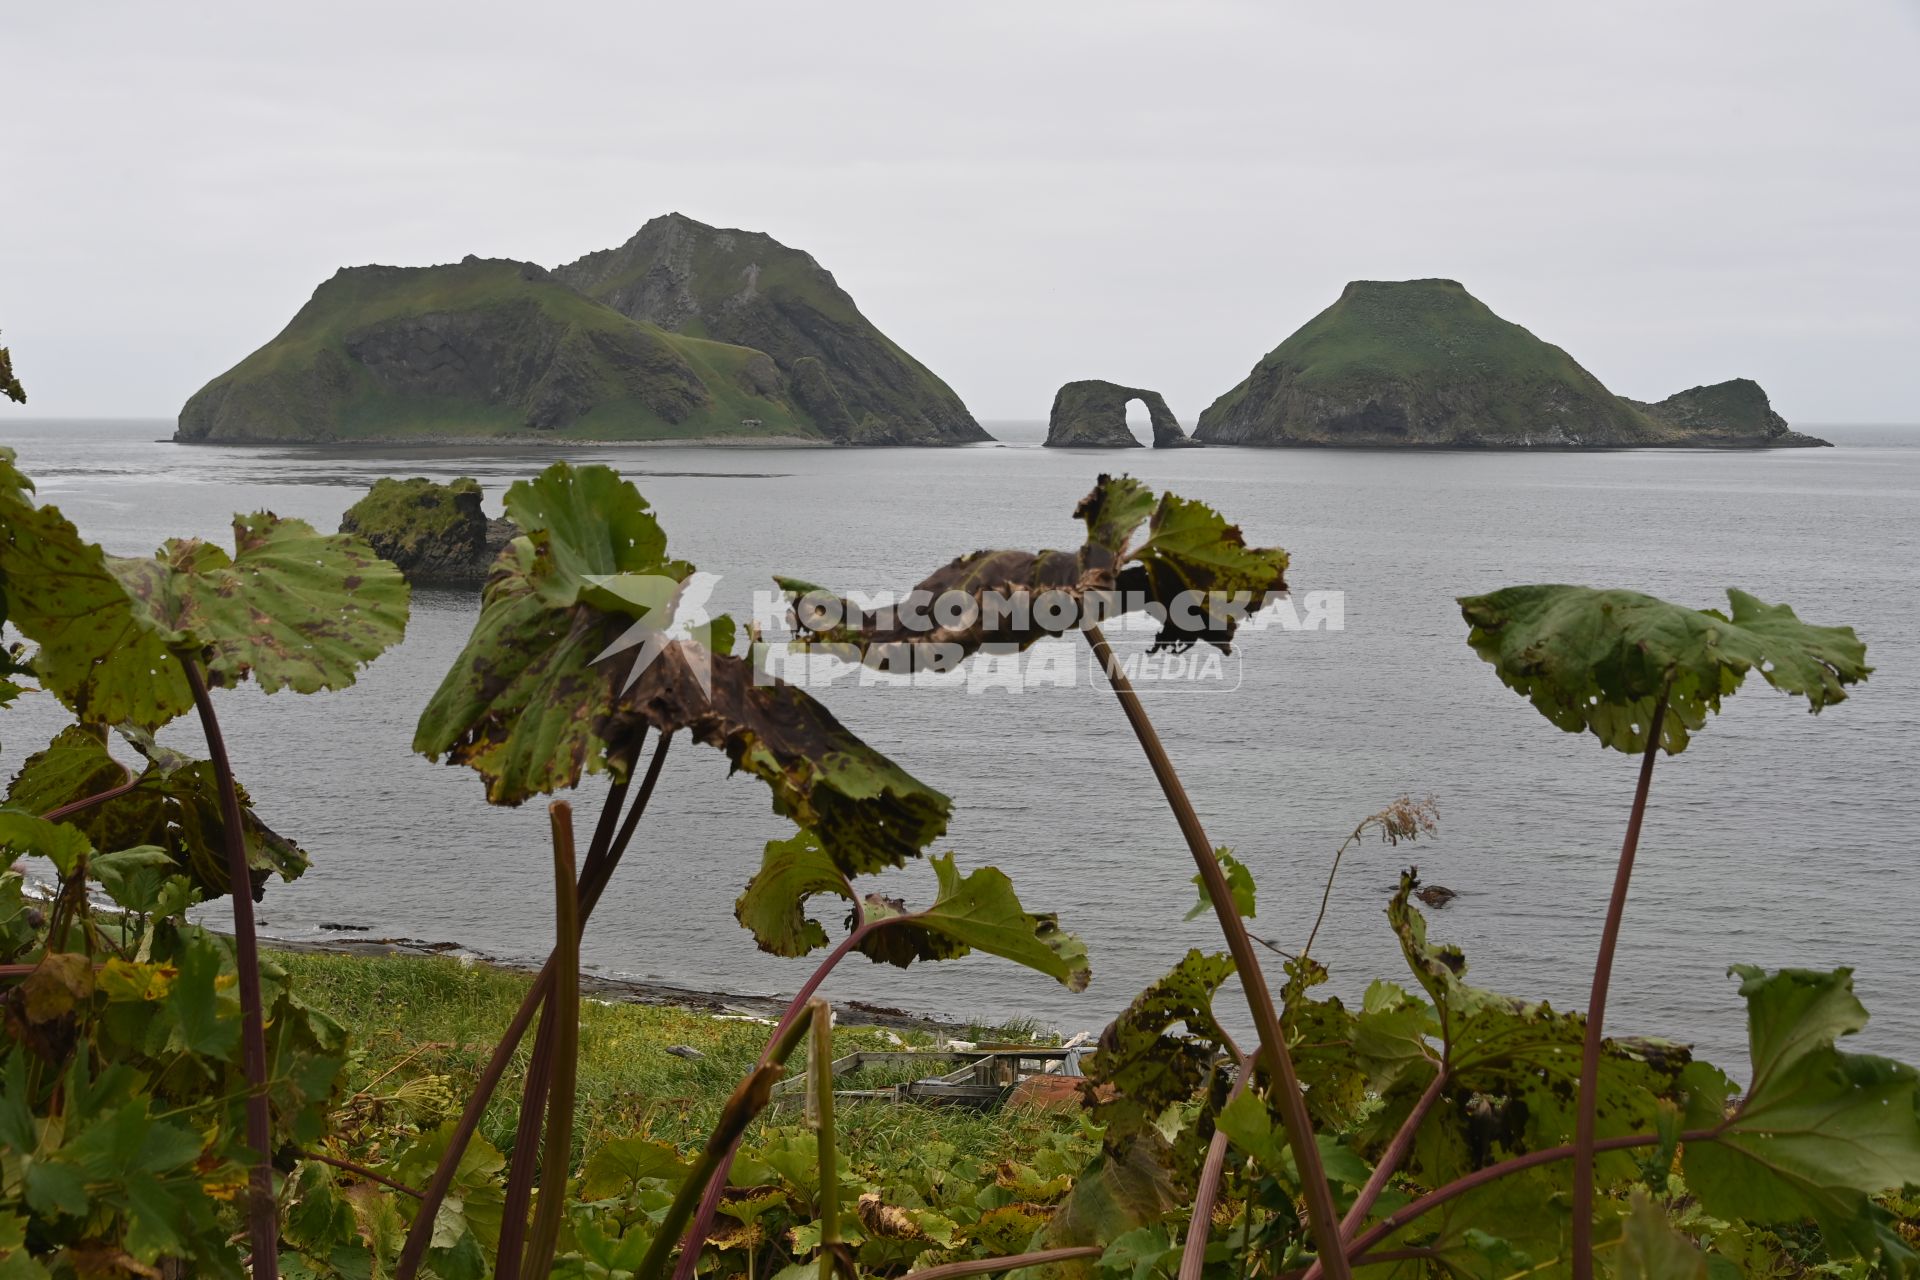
97,652
294,608
1598,660
1650,1249
1819,1131
774,906
174,804
571,662
977,912
1515,1064
28,834
1191,557
1165,1048
868,812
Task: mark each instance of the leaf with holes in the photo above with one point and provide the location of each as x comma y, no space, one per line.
1143,1064
977,912
1597,660
774,906
174,805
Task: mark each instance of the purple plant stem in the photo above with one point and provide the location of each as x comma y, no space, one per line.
1586,1118
263,1214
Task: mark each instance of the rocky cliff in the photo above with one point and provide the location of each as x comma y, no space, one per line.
747,288
1731,414
1093,414
753,340
1425,364
433,532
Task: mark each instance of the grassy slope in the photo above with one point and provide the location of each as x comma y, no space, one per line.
1425,331
788,276
355,299
413,1018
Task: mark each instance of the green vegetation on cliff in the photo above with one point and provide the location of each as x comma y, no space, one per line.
747,288
483,347
685,332
432,532
1423,363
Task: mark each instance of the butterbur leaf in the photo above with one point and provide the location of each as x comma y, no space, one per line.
1515,1064
528,703
1191,559
97,653
618,1164
1597,660
174,805
977,912
1819,1131
73,765
555,682
1650,1249
27,834
1187,564
293,608
1143,1064
867,811
1128,1186
1113,513
1239,884
774,906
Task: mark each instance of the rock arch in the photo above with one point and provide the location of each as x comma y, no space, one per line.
1091,414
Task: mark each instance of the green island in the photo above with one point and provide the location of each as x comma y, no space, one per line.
686,332
1425,364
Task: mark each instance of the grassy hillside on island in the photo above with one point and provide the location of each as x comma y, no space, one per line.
684,332
1423,363
484,347
747,288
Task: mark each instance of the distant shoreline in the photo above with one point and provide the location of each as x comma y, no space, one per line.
624,990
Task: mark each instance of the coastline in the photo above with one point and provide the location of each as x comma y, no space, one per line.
615,990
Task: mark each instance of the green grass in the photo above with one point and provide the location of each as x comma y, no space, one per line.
422,1028
361,408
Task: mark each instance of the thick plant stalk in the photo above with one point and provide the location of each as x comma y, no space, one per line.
1406,1213
1586,1119
88,802
565,1010
526,1138
820,1077
1322,1218
594,876
263,1217
1193,1255
783,1033
749,1099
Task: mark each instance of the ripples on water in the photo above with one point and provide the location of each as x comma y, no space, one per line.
1777,839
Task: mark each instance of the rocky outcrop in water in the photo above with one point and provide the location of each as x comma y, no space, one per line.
1093,414
1425,364
433,532
1731,414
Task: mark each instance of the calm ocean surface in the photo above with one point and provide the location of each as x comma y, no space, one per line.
1777,839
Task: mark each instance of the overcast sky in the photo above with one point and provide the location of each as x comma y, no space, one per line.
1020,194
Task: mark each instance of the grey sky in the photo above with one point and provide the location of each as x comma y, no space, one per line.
1019,193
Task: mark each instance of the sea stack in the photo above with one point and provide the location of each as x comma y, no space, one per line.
1093,414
